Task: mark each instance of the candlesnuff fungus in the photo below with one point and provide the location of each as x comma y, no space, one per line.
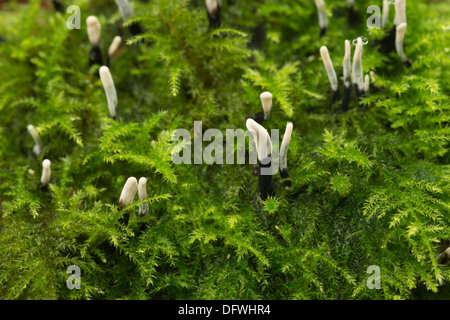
400,12
357,71
266,102
126,197
388,42
283,153
385,13
110,90
264,151
142,193
332,78
37,141
347,76
46,174
113,48
323,19
213,10
399,39
126,11
94,32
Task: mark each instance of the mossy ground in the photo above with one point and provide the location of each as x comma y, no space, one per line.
369,187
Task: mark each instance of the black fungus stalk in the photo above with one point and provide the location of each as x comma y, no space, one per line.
126,11
58,6
322,16
265,183
283,154
126,198
332,78
94,31
264,151
110,91
213,8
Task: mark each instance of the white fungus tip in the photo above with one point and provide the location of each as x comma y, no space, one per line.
105,76
266,101
114,45
348,50
110,90
346,64
261,138
142,188
46,163
285,145
32,130
212,6
125,9
320,4
325,57
358,77
128,192
46,172
328,64
399,39
400,12
38,145
93,30
385,13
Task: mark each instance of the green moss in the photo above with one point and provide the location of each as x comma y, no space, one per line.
370,186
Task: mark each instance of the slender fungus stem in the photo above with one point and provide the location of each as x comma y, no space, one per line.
399,40
126,198
332,78
142,193
127,12
283,153
347,76
357,71
46,174
94,32
110,90
37,141
323,19
264,150
113,48
213,10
